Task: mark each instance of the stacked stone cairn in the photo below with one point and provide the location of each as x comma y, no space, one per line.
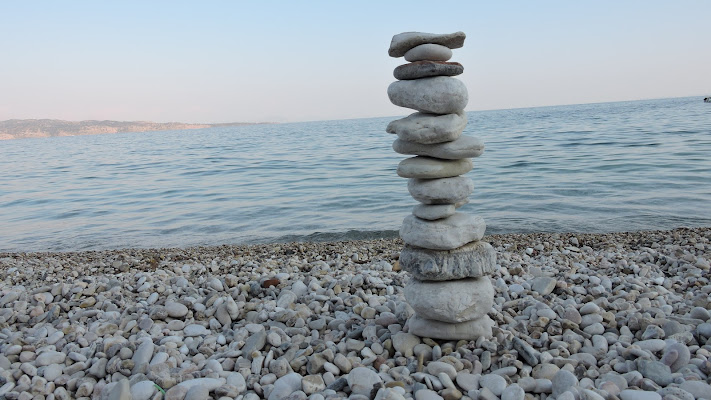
449,290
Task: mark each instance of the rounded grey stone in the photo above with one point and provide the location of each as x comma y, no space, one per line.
432,168
469,261
426,69
562,381
401,43
430,52
440,191
436,95
469,330
450,301
462,147
433,212
443,234
426,128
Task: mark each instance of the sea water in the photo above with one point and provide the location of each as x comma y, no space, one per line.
624,166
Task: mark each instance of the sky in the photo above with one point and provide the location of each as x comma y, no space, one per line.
288,61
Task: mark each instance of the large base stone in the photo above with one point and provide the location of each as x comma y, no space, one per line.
450,301
443,234
469,261
470,330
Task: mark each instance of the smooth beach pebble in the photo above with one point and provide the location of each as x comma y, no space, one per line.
426,69
436,95
429,52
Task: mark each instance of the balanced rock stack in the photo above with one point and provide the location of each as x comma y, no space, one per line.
449,289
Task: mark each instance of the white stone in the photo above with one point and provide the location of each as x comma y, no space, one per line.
434,211
443,234
462,147
470,330
361,380
176,310
440,191
423,128
436,95
433,168
429,52
450,301
285,386
401,43
50,357
196,330
630,394
143,390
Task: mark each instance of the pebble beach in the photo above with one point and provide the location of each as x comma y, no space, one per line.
577,316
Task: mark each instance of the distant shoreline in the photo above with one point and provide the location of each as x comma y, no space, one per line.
41,128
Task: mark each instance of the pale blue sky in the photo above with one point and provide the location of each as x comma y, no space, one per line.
296,61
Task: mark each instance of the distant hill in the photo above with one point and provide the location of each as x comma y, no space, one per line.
37,128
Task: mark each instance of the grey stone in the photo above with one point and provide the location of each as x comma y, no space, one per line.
431,212
630,394
543,285
425,69
436,95
361,380
431,168
195,330
562,381
513,392
429,52
468,381
120,391
469,261
254,343
440,191
405,343
525,351
176,310
312,384
450,301
143,390
197,393
285,386
443,234
401,43
462,147
426,128
699,313
437,367
493,382
699,389
50,357
656,371
676,356
469,330
143,356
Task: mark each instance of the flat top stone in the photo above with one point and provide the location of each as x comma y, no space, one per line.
405,41
431,168
424,69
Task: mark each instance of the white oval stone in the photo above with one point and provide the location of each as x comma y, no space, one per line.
433,212
450,301
436,95
462,147
429,52
440,191
442,234
432,168
426,128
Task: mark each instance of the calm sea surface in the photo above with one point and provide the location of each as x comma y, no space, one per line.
585,168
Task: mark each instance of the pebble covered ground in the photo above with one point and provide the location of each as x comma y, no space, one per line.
578,317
